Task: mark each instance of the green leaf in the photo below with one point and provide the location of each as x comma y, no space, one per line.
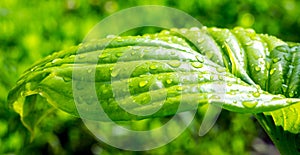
174,69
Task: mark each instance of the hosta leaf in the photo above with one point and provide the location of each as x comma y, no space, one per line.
155,73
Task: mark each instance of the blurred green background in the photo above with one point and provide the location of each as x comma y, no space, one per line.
31,30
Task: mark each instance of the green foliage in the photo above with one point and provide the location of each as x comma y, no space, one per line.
168,59
31,30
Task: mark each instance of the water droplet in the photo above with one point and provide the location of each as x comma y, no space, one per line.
197,64
183,30
81,56
119,54
232,92
20,81
209,54
291,94
201,40
200,58
169,81
55,60
111,36
132,53
257,68
249,43
249,104
173,52
212,77
268,65
214,97
104,91
275,60
90,70
115,72
220,77
103,55
220,69
165,32
153,66
229,84
175,63
179,88
272,71
67,79
200,76
143,83
256,94
48,64
234,101
194,29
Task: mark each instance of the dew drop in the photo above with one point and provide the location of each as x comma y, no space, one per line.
174,63
209,54
249,104
197,64
179,88
272,71
256,94
200,58
234,101
55,60
153,67
275,60
20,81
119,54
111,36
229,84
220,77
115,72
103,55
89,70
81,56
201,40
232,92
291,94
169,81
143,83
268,65
257,68
214,97
48,64
221,70
200,76
249,43
194,29
67,79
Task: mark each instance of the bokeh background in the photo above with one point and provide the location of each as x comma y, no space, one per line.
31,30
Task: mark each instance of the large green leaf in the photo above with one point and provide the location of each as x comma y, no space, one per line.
237,69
